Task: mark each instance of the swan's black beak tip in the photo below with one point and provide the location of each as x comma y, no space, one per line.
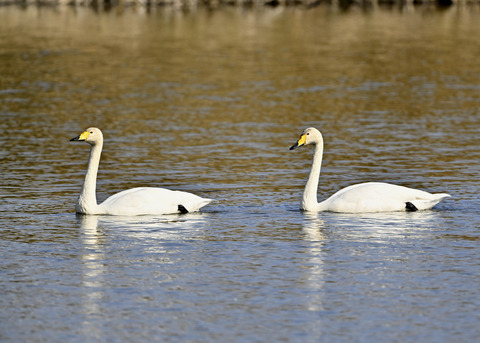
74,139
294,146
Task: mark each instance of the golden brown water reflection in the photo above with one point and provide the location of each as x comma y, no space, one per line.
242,84
209,102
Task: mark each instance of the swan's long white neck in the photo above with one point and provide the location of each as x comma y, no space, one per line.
309,200
87,200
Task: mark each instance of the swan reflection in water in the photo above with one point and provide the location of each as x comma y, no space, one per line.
340,246
103,237
383,226
313,233
159,228
93,275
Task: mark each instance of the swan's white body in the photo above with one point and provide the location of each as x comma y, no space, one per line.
363,197
135,201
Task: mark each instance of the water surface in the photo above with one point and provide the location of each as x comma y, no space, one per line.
210,102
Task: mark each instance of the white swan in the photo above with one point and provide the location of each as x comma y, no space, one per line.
135,201
362,197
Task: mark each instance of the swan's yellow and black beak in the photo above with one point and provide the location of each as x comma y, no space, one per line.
83,136
301,141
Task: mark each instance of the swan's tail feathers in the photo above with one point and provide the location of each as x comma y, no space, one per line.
205,202
194,207
425,204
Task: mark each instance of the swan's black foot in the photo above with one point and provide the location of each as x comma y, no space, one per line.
182,209
410,207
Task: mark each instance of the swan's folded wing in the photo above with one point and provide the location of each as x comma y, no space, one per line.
149,200
379,197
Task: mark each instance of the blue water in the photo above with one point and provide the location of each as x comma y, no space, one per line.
185,105
242,275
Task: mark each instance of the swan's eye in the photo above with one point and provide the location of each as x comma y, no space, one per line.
308,133
91,132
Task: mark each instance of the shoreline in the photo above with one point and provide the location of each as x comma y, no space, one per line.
213,4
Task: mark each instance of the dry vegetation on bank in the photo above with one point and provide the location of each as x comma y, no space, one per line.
217,3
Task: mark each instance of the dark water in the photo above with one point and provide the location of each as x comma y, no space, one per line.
210,102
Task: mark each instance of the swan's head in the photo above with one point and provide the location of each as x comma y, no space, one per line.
309,136
92,136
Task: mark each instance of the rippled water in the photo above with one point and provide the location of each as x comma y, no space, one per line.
210,102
